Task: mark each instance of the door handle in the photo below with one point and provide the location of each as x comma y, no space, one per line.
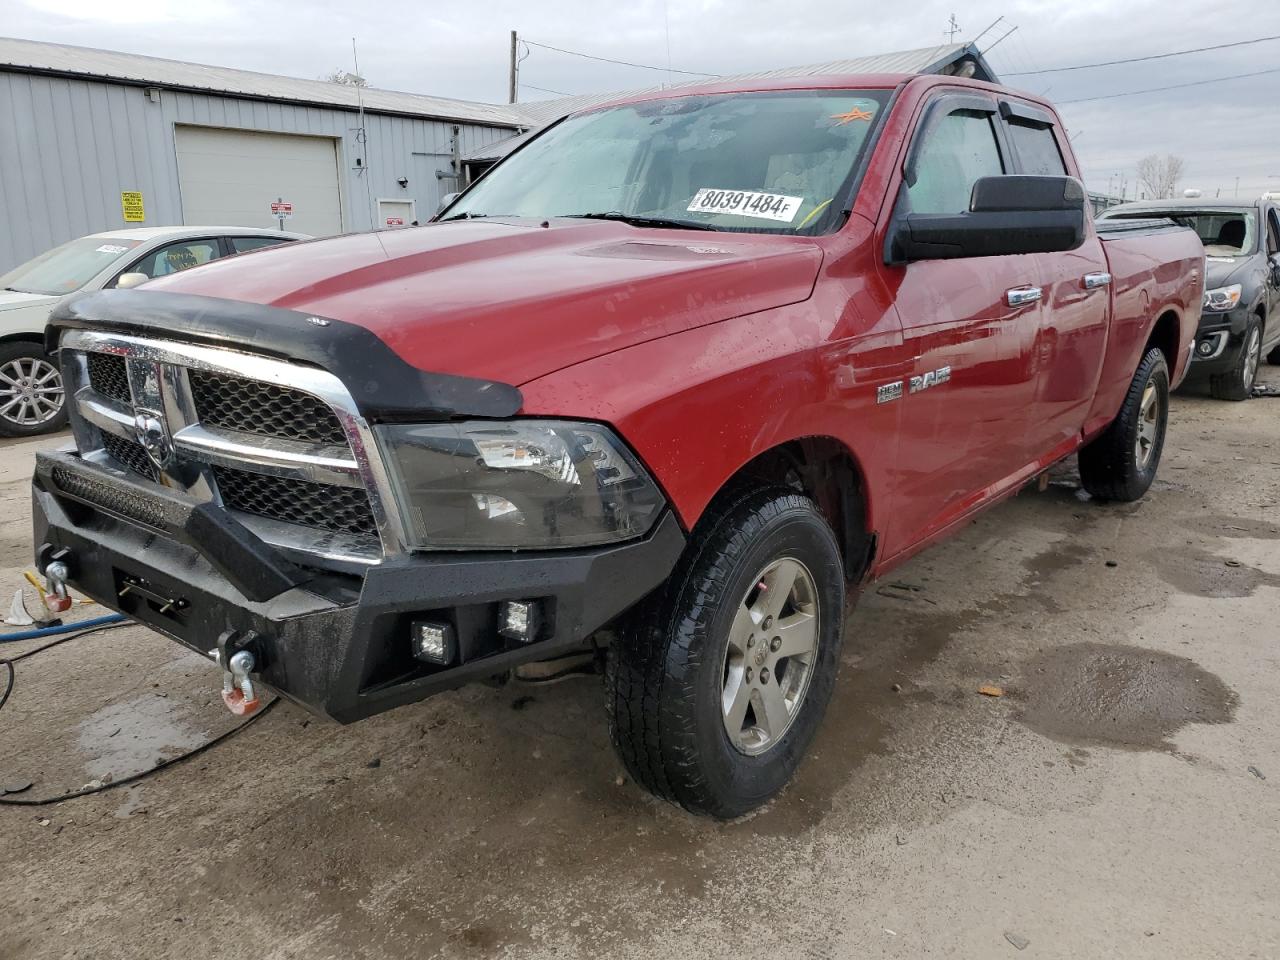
1092,281
1021,296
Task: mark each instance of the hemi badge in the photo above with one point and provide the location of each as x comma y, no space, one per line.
889,391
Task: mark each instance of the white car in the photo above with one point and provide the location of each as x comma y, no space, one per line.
31,396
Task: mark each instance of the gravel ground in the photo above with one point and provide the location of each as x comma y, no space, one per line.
1120,799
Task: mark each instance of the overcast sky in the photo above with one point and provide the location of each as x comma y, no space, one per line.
1223,130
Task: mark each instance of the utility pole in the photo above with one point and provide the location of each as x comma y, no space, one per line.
1237,187
511,75
952,29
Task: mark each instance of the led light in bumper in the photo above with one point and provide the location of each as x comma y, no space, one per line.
518,620
512,484
433,642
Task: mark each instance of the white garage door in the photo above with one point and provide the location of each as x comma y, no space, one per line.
231,177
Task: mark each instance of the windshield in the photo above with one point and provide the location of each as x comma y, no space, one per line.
67,268
761,162
1224,233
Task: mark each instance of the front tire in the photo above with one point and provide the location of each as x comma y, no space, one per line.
1121,463
32,399
717,684
1237,384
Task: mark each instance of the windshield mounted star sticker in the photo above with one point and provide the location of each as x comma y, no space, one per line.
854,114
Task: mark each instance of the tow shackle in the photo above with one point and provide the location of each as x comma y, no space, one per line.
237,662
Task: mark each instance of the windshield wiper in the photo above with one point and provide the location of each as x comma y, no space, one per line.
637,221
464,215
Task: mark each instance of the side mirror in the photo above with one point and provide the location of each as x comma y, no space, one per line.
1007,215
127,280
447,199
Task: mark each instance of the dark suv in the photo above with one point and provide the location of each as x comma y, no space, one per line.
1240,320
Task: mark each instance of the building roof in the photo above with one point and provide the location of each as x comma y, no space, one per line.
949,59
56,58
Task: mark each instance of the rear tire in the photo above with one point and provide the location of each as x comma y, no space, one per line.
1121,463
701,716
32,399
1238,383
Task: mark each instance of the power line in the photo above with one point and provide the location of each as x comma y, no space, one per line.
530,86
1154,56
1176,86
622,63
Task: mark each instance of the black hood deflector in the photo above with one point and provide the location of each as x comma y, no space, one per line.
384,387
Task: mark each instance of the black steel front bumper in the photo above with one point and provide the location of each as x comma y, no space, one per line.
337,643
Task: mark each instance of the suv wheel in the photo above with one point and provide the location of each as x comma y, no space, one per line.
1121,463
719,681
1237,384
31,393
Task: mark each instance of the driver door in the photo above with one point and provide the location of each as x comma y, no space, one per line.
970,325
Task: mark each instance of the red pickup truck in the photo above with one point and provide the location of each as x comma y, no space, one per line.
690,367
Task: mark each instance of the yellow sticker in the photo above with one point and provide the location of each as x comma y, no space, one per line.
131,205
854,114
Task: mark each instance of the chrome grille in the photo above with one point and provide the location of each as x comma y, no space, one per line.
109,375
340,509
280,445
265,409
130,455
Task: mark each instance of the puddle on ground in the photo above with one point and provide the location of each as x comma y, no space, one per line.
1119,696
127,738
1205,575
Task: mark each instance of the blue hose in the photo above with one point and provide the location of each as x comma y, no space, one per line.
62,628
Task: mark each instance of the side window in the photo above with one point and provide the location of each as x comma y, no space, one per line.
960,150
1037,150
245,244
177,257
1273,233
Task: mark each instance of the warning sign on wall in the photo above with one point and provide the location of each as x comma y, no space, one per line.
395,221
131,206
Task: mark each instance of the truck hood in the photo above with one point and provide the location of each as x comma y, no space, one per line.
16,300
514,299
1224,271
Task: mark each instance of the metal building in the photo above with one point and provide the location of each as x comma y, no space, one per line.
92,140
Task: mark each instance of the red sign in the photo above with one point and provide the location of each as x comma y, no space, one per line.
395,221
280,208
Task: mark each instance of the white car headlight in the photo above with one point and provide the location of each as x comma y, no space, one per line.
1222,299
509,484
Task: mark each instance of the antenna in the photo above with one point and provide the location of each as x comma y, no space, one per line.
362,137
953,27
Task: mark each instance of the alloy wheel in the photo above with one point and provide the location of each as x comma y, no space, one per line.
1149,415
31,391
770,658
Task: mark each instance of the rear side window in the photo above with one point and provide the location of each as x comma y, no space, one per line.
177,257
245,244
1037,150
960,150
1273,233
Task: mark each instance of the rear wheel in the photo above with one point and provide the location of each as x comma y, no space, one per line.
1237,384
31,391
1121,463
718,683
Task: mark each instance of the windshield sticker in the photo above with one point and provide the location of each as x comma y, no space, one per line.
746,203
856,113
111,248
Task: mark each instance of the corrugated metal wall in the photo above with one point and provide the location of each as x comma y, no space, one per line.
68,148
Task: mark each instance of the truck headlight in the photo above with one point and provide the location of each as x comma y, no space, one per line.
1222,299
533,484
